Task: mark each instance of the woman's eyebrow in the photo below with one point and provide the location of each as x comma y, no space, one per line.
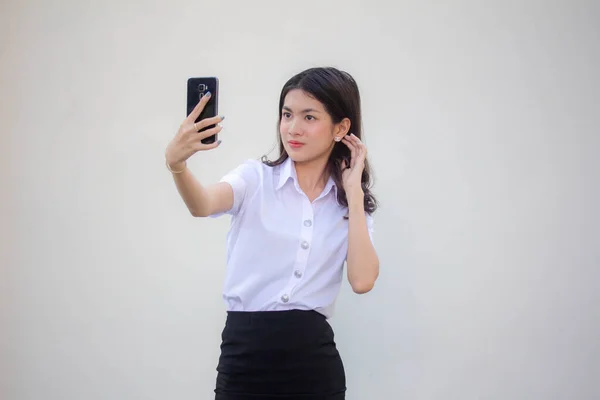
303,111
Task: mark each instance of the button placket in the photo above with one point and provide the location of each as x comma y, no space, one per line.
306,235
304,245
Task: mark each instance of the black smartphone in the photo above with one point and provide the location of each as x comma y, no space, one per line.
196,89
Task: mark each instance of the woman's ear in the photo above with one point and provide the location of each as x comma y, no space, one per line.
342,128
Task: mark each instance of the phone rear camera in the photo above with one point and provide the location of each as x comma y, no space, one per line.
202,87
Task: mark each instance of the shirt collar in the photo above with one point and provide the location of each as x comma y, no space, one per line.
287,171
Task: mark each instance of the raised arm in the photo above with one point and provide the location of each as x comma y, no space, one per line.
200,200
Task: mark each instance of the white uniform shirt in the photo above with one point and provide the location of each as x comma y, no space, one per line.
282,251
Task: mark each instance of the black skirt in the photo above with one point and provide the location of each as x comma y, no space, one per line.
279,355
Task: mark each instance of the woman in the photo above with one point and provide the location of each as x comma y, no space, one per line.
294,222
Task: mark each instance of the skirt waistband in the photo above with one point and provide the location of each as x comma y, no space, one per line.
283,316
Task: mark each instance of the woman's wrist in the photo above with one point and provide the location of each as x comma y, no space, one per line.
355,197
176,168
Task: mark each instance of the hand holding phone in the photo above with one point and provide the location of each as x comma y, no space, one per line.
197,88
199,129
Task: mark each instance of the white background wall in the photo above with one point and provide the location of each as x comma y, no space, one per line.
481,119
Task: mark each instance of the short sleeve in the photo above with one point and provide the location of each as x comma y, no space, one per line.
370,227
244,180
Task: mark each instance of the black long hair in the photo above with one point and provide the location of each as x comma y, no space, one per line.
338,92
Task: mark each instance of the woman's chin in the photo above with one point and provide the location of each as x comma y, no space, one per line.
295,154
298,156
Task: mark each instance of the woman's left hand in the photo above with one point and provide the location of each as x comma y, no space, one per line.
352,174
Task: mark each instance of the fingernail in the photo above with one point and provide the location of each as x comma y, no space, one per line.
222,117
208,94
218,142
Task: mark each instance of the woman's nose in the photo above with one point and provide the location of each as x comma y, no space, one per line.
295,128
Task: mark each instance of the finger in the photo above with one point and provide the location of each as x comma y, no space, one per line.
360,158
357,143
199,107
207,122
354,137
209,132
356,140
192,128
202,146
353,151
349,144
360,146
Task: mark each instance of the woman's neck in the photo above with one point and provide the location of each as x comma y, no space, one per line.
312,176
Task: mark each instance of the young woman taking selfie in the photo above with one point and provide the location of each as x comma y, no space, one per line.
294,221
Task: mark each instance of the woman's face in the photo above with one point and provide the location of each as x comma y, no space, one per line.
306,129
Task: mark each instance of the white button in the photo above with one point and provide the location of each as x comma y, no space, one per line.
307,223
304,245
298,273
285,298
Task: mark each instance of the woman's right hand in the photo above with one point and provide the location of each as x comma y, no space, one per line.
188,139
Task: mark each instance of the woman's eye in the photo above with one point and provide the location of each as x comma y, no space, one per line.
286,115
310,117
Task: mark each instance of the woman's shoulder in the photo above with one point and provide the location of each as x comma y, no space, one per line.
261,165
256,170
255,165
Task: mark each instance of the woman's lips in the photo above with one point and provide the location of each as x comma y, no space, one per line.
294,144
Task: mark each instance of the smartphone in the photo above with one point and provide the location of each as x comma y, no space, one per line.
196,89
